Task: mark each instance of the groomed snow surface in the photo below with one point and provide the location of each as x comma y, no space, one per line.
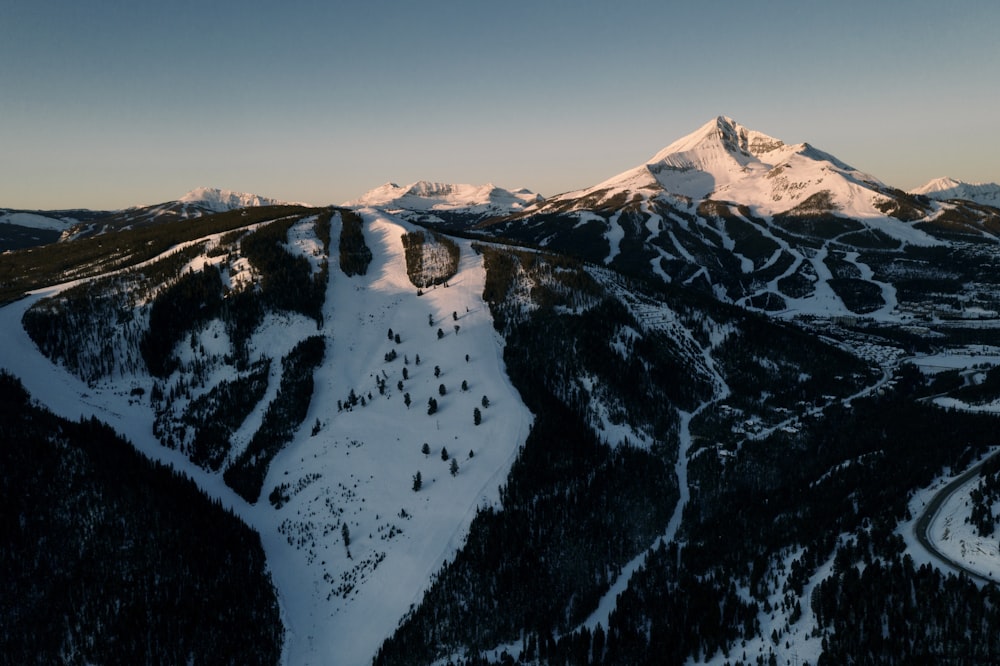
367,456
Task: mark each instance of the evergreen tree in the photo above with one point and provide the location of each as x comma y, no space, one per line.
418,482
454,467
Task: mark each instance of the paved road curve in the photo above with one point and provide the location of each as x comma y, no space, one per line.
923,524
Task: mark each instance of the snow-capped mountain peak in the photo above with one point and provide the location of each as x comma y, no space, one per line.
720,134
949,188
428,196
219,200
727,161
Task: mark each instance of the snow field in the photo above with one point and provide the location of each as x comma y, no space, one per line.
338,608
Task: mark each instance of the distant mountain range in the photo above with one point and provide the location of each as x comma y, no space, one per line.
28,228
440,202
720,161
943,189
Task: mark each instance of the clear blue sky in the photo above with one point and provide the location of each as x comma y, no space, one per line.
113,103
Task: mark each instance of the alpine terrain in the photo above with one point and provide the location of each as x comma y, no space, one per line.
948,188
736,405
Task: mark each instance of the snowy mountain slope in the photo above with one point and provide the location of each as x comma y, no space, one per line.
725,161
35,220
787,229
357,467
987,194
21,229
367,456
446,202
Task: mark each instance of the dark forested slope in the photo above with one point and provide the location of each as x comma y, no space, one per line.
109,558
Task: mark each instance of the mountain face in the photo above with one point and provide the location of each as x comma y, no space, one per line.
724,161
763,224
705,411
943,189
210,199
446,204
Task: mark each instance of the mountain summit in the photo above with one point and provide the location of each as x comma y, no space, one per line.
948,188
431,201
196,203
219,201
723,160
742,215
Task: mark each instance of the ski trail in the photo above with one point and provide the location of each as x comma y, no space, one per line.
610,600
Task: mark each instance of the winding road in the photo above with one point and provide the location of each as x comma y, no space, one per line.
923,524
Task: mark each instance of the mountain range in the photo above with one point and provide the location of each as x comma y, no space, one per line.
436,202
987,194
29,228
736,405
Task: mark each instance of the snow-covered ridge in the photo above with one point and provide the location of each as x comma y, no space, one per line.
221,201
949,188
430,196
35,221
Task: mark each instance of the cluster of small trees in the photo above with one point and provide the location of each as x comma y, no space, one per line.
445,456
208,422
431,258
355,255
